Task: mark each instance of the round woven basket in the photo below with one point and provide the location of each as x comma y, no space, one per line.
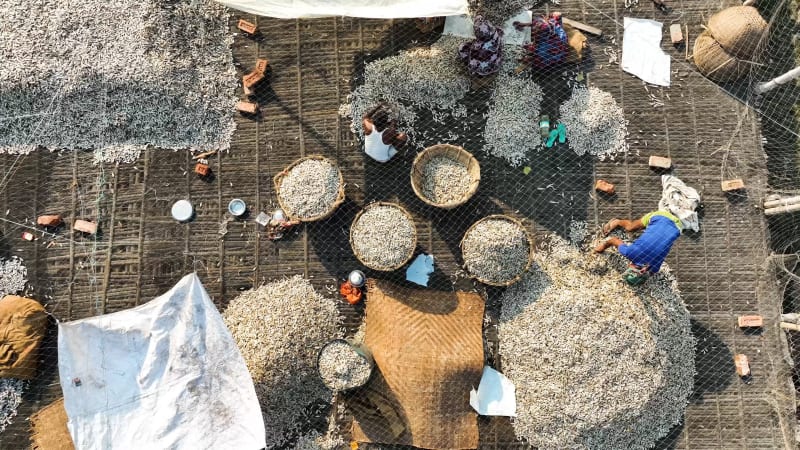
714,62
740,30
278,180
530,252
358,254
449,151
362,351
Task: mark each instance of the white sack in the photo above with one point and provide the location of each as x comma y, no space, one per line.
680,200
378,9
163,375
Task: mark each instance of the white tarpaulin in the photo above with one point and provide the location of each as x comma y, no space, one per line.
641,51
378,9
163,375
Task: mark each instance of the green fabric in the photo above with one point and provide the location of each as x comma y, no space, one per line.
646,218
634,276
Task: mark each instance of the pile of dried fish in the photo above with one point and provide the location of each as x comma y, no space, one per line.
10,398
13,276
429,78
495,250
511,129
310,188
595,123
342,368
383,237
596,363
116,73
331,440
280,328
445,180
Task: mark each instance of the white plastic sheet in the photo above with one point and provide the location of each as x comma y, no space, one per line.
641,51
164,375
496,395
378,9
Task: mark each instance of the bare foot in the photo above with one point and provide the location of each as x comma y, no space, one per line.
610,226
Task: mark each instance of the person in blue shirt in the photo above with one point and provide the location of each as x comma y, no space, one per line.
648,252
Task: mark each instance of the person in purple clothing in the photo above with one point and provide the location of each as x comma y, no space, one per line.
648,252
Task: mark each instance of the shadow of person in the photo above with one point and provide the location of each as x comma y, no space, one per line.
713,363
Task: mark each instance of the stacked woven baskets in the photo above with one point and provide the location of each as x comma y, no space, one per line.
725,50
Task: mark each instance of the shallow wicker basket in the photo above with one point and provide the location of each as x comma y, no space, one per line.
714,62
278,180
530,250
358,254
740,30
452,152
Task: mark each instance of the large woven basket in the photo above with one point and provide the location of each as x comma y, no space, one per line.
530,253
452,152
714,62
278,180
360,257
740,30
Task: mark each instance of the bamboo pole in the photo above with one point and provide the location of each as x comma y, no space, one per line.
790,326
777,81
782,209
782,202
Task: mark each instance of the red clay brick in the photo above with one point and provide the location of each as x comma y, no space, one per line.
604,186
660,162
732,185
751,321
247,107
675,33
742,365
261,65
247,27
51,220
202,169
85,226
252,79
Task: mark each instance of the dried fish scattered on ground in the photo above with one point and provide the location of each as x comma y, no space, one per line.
595,123
124,154
331,440
13,276
383,237
445,180
498,11
280,329
596,363
578,231
310,188
496,250
342,368
429,78
116,73
10,398
511,129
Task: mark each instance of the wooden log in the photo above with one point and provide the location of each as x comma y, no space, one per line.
676,34
753,321
742,365
660,162
790,326
732,185
782,209
247,27
782,202
582,26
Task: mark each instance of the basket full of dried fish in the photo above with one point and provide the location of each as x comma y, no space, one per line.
497,250
445,176
310,188
383,236
344,366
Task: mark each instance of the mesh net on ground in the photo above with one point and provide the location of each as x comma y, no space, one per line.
623,366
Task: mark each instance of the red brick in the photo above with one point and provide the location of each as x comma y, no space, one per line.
751,321
261,65
252,79
742,365
604,186
85,226
732,185
202,169
52,220
247,27
660,162
675,33
247,107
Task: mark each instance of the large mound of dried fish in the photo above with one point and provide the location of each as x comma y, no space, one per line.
310,188
341,367
280,328
445,180
495,250
595,123
101,74
430,78
10,398
511,129
13,276
596,363
383,237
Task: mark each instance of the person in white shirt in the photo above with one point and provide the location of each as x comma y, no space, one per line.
381,137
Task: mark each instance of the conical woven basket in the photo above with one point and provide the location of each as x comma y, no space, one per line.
714,62
518,276
278,180
447,151
740,30
358,254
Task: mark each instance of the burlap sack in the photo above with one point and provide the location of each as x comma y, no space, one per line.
714,62
22,327
740,30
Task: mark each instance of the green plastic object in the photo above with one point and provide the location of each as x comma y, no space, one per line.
526,170
544,125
